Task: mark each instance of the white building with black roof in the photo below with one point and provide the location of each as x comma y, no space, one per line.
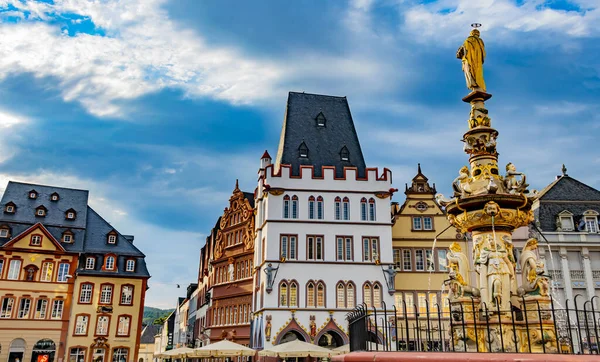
323,228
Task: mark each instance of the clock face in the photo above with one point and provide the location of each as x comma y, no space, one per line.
421,206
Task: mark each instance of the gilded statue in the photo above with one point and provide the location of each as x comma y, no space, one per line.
512,183
495,273
460,185
458,261
533,281
268,328
472,54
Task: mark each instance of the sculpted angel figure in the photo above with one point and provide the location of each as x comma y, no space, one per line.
472,54
459,184
513,185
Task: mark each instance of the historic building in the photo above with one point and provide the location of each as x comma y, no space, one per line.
71,286
566,214
422,238
323,228
146,349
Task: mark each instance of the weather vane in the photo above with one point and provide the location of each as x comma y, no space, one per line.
475,25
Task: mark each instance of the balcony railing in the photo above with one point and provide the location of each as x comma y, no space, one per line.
577,274
556,275
596,274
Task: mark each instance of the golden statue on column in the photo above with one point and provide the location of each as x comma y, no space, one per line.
490,206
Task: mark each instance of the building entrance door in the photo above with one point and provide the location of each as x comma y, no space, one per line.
43,351
16,350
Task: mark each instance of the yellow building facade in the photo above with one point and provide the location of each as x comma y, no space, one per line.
71,286
419,223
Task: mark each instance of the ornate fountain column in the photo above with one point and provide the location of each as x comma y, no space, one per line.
490,206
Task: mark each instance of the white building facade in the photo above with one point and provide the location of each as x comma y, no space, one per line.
323,229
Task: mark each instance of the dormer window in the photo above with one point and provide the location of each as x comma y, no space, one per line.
90,263
590,218
54,197
130,265
41,211
321,121
345,154
70,214
111,238
67,237
33,194
10,208
303,150
109,263
4,232
565,221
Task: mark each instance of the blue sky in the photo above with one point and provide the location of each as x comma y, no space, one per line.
157,106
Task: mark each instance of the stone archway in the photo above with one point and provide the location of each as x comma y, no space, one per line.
297,331
16,350
336,334
330,339
291,335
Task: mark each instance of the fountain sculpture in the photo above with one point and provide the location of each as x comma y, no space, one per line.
491,206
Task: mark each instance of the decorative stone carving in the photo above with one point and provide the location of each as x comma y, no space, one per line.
268,327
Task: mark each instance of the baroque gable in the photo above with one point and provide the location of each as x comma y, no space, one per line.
36,238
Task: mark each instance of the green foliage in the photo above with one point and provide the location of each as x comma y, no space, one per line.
155,315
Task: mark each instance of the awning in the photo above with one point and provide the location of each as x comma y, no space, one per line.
297,348
223,349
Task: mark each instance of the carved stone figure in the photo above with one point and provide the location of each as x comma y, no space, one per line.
472,54
268,327
512,183
460,184
313,327
458,261
270,277
231,270
493,339
443,201
495,273
390,278
533,281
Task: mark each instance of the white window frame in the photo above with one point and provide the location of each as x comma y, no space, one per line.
106,292
422,252
102,323
417,223
10,208
124,300
58,306
425,223
70,215
70,238
85,293
24,308
14,267
63,271
38,240
123,327
42,307
112,239
81,325
407,252
130,265
566,215
41,212
3,233
590,217
90,263
47,271
7,305
109,263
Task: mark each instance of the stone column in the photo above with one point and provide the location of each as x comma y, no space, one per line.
587,268
566,276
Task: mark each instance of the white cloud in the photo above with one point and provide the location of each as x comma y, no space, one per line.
10,126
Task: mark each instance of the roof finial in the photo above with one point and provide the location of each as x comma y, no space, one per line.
237,185
419,167
564,170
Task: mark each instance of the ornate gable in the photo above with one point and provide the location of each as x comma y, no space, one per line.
36,238
420,184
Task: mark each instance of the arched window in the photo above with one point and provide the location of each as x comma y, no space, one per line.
372,209
345,154
367,295
303,150
320,294
320,208
294,207
377,295
311,207
283,296
346,208
338,208
363,209
350,295
310,295
340,295
286,207
293,294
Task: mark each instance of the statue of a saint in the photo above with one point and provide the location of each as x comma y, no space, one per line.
390,279
270,279
472,54
268,328
496,275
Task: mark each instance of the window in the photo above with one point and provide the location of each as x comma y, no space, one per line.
397,258
372,209
112,239
63,271
566,221
54,197
310,295
340,295
442,263
120,355
321,121
419,260
33,194
350,295
10,208
77,355
591,221
370,249
311,207
47,271
338,208
314,247
286,207
36,240
109,263
377,295
367,295
14,269
283,295
127,294
57,309
427,223
123,326
293,294
289,247
67,238
70,215
85,293
81,325
429,260
40,211
363,209
346,205
4,233
320,294
130,265
344,248
294,207
406,260
320,208
24,308
345,154
417,223
7,307
90,263
40,309
106,292
303,150
102,325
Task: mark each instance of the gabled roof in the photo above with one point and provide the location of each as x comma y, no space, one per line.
566,188
18,193
324,143
28,231
148,334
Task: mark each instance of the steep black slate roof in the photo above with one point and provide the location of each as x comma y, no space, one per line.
148,334
566,190
89,228
324,143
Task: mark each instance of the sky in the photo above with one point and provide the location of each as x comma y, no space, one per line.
158,106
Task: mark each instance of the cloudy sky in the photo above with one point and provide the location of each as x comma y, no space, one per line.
157,106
